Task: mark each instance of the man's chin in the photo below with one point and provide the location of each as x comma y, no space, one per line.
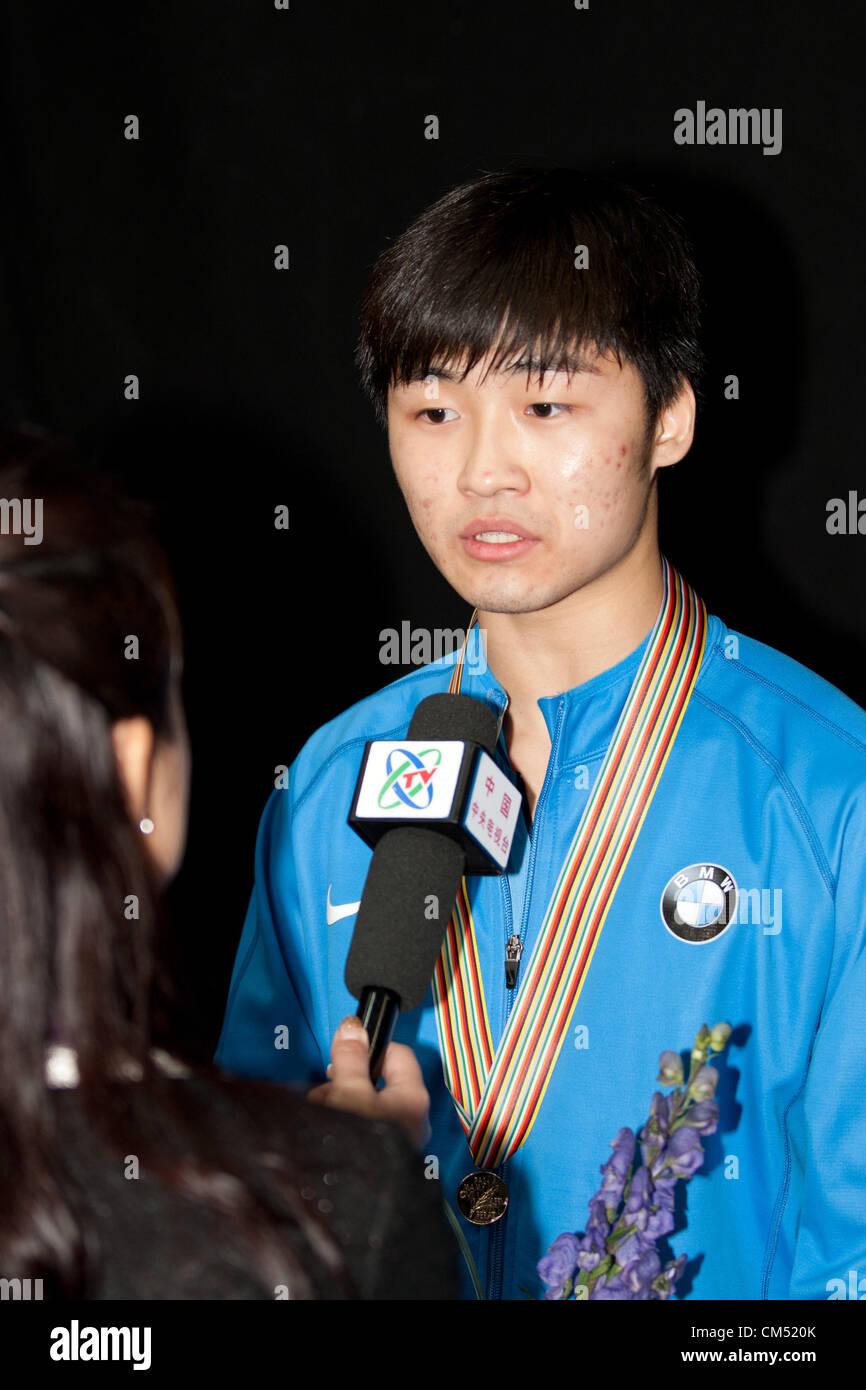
510,588
514,607
490,598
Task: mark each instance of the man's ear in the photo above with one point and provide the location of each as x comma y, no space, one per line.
675,429
133,748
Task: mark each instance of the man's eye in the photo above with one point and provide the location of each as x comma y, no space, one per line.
547,406
435,410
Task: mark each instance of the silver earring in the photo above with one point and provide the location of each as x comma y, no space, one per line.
146,826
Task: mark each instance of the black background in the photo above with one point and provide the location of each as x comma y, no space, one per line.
306,127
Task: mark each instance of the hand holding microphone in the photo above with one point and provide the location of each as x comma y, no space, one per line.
403,1100
434,805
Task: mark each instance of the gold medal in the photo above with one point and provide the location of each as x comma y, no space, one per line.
482,1198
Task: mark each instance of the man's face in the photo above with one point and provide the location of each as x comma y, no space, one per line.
520,493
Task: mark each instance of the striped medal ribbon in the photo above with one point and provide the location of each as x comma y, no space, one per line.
498,1094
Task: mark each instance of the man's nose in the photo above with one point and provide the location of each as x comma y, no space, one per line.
492,460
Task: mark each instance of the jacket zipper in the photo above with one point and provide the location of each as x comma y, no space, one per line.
496,1246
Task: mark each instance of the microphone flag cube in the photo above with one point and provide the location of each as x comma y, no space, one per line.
450,785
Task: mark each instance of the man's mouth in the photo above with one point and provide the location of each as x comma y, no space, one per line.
496,538
495,529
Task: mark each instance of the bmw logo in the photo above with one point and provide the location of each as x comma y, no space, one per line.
699,903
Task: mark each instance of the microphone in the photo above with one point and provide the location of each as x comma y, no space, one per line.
434,806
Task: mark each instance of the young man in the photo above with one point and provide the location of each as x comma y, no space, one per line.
693,842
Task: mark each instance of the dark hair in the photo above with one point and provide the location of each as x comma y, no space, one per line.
73,970
492,265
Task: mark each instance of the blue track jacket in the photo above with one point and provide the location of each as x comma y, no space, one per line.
767,782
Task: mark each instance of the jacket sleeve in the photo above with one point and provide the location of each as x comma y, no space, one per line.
267,1031
831,1236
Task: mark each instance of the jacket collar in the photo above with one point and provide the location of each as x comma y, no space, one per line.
590,711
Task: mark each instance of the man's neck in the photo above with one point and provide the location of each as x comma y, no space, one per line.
565,645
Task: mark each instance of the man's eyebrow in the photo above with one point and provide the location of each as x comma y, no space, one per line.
572,363
440,373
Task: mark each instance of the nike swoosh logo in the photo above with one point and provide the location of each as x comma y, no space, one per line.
334,912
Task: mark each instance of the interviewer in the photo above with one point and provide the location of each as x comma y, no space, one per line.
127,1171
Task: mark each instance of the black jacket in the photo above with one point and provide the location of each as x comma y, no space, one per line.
362,1179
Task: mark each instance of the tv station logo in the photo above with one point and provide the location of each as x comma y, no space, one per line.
408,782
410,778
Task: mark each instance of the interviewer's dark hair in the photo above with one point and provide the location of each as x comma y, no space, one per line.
492,265
73,969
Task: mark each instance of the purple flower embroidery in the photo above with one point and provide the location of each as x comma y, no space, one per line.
615,1172
557,1267
616,1256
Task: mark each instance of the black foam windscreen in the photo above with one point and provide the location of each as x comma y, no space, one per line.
408,898
444,716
